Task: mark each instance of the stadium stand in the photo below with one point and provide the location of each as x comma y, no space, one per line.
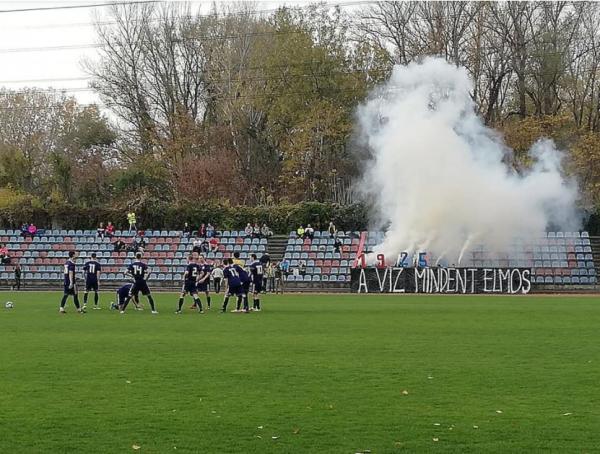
43,256
559,259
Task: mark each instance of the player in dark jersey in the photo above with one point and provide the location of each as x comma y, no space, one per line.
123,296
139,271
204,280
234,284
246,281
69,284
190,285
256,271
91,272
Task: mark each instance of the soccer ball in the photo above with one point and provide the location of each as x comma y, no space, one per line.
9,305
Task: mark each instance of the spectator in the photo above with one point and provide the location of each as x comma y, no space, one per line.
110,230
101,231
187,231
284,265
202,231
265,259
279,278
210,231
140,243
197,243
309,232
17,285
213,245
4,256
248,230
337,245
332,230
217,275
25,230
265,231
302,268
119,246
132,221
300,232
256,231
32,229
204,246
271,278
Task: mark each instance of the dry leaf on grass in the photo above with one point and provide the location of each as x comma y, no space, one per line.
475,427
136,447
128,382
567,414
498,411
296,431
436,439
436,424
275,438
405,392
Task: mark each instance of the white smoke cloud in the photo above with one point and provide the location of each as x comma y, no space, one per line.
438,176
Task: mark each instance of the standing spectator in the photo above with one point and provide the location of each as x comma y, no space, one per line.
265,259
300,232
279,279
210,230
271,277
217,275
309,232
101,231
248,230
187,231
256,231
132,221
202,231
213,245
110,230
284,265
17,285
265,231
332,230
4,256
196,245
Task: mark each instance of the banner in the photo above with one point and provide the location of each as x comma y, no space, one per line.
441,280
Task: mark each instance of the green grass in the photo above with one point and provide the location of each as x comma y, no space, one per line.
321,373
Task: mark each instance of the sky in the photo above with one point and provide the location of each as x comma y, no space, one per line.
45,48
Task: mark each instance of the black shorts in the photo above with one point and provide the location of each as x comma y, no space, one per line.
70,291
246,286
237,290
91,286
203,286
258,286
140,287
190,287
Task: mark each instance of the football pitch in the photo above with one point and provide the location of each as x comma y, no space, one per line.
309,374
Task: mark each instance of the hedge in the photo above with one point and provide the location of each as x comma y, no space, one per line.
280,218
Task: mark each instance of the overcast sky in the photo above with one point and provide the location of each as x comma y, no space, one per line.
45,48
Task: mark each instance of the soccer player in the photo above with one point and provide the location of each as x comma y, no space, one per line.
70,286
204,280
245,280
123,295
91,272
234,284
256,270
139,271
190,285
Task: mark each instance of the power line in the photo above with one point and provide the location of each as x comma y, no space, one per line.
93,5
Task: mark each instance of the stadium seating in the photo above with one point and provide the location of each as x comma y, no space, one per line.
42,257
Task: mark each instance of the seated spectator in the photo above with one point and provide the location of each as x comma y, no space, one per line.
197,243
332,230
213,244
119,246
187,231
110,230
309,232
256,231
32,229
210,231
140,243
25,230
202,231
101,231
248,230
4,255
300,232
204,246
265,231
